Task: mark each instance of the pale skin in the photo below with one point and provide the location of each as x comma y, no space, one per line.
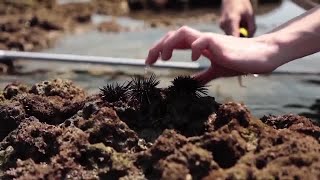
233,56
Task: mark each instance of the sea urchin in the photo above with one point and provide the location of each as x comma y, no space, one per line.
114,92
144,89
186,85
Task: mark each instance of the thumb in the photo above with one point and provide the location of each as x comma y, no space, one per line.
206,76
215,71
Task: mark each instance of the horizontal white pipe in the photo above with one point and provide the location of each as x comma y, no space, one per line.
95,60
4,54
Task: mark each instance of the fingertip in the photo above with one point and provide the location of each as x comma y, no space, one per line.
151,59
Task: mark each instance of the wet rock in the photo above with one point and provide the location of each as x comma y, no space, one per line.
14,89
32,139
165,145
54,131
188,162
295,123
231,112
105,127
58,87
53,101
226,148
28,169
110,163
288,160
11,115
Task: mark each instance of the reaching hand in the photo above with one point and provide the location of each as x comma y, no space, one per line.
229,56
236,13
232,56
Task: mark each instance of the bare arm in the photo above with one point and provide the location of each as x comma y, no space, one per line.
297,38
232,56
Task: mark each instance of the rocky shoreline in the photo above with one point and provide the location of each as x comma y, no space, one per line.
55,130
34,25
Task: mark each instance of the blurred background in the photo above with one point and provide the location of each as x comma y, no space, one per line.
127,29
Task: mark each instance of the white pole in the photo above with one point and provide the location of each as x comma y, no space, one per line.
95,60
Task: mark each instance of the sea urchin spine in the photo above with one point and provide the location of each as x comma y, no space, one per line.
144,89
114,92
186,85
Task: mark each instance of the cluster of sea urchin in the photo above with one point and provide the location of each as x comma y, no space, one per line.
139,89
144,89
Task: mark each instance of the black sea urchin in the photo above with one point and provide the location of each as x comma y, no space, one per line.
114,92
186,85
144,89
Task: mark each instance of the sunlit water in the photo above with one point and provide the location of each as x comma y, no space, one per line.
263,95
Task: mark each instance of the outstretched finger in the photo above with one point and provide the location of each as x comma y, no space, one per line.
156,50
181,39
206,76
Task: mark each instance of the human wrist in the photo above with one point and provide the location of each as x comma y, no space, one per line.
271,55
297,38
291,44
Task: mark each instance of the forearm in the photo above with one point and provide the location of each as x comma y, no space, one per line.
297,38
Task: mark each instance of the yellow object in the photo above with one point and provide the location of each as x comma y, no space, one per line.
244,32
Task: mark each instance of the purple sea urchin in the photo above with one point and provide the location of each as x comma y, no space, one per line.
114,92
144,89
186,85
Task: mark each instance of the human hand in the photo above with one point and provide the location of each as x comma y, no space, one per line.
229,56
236,14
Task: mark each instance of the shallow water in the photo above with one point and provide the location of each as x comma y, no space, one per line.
263,95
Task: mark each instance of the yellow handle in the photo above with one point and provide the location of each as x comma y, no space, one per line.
244,32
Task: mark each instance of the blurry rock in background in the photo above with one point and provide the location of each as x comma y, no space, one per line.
31,25
111,26
266,5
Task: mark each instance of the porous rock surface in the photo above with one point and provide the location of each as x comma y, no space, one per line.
53,130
